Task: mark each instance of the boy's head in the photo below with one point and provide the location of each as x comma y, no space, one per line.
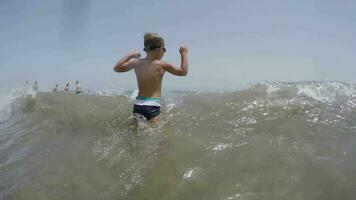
154,45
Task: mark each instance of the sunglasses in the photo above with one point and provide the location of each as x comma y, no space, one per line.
156,47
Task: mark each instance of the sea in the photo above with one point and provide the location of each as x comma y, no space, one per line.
271,141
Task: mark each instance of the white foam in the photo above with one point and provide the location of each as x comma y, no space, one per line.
170,106
134,94
5,109
326,92
108,92
7,97
192,173
188,173
236,196
271,88
221,147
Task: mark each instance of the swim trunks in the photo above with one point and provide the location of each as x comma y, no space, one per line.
147,107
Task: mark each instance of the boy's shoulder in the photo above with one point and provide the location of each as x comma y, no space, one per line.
143,61
135,61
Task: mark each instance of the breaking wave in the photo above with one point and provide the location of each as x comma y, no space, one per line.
270,141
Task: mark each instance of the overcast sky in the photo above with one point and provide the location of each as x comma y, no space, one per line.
232,43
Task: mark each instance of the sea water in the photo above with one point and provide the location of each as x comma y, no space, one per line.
271,141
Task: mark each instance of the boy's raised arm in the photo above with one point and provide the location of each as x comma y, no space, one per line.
183,70
126,63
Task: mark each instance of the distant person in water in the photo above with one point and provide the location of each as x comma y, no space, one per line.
35,86
66,88
149,73
78,89
55,89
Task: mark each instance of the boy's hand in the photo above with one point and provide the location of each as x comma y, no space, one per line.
183,50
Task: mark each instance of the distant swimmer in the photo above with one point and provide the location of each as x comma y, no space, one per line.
55,89
78,89
66,88
35,86
149,73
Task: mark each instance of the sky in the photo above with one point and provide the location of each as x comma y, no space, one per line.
232,43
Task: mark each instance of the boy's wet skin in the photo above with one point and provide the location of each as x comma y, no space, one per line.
149,73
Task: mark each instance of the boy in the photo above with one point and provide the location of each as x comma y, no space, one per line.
149,73
55,89
66,88
35,87
78,88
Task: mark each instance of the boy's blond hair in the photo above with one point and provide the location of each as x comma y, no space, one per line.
152,40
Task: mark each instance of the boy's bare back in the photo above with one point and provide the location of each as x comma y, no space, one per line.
149,75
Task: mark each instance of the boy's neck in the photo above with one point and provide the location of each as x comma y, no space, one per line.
151,57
